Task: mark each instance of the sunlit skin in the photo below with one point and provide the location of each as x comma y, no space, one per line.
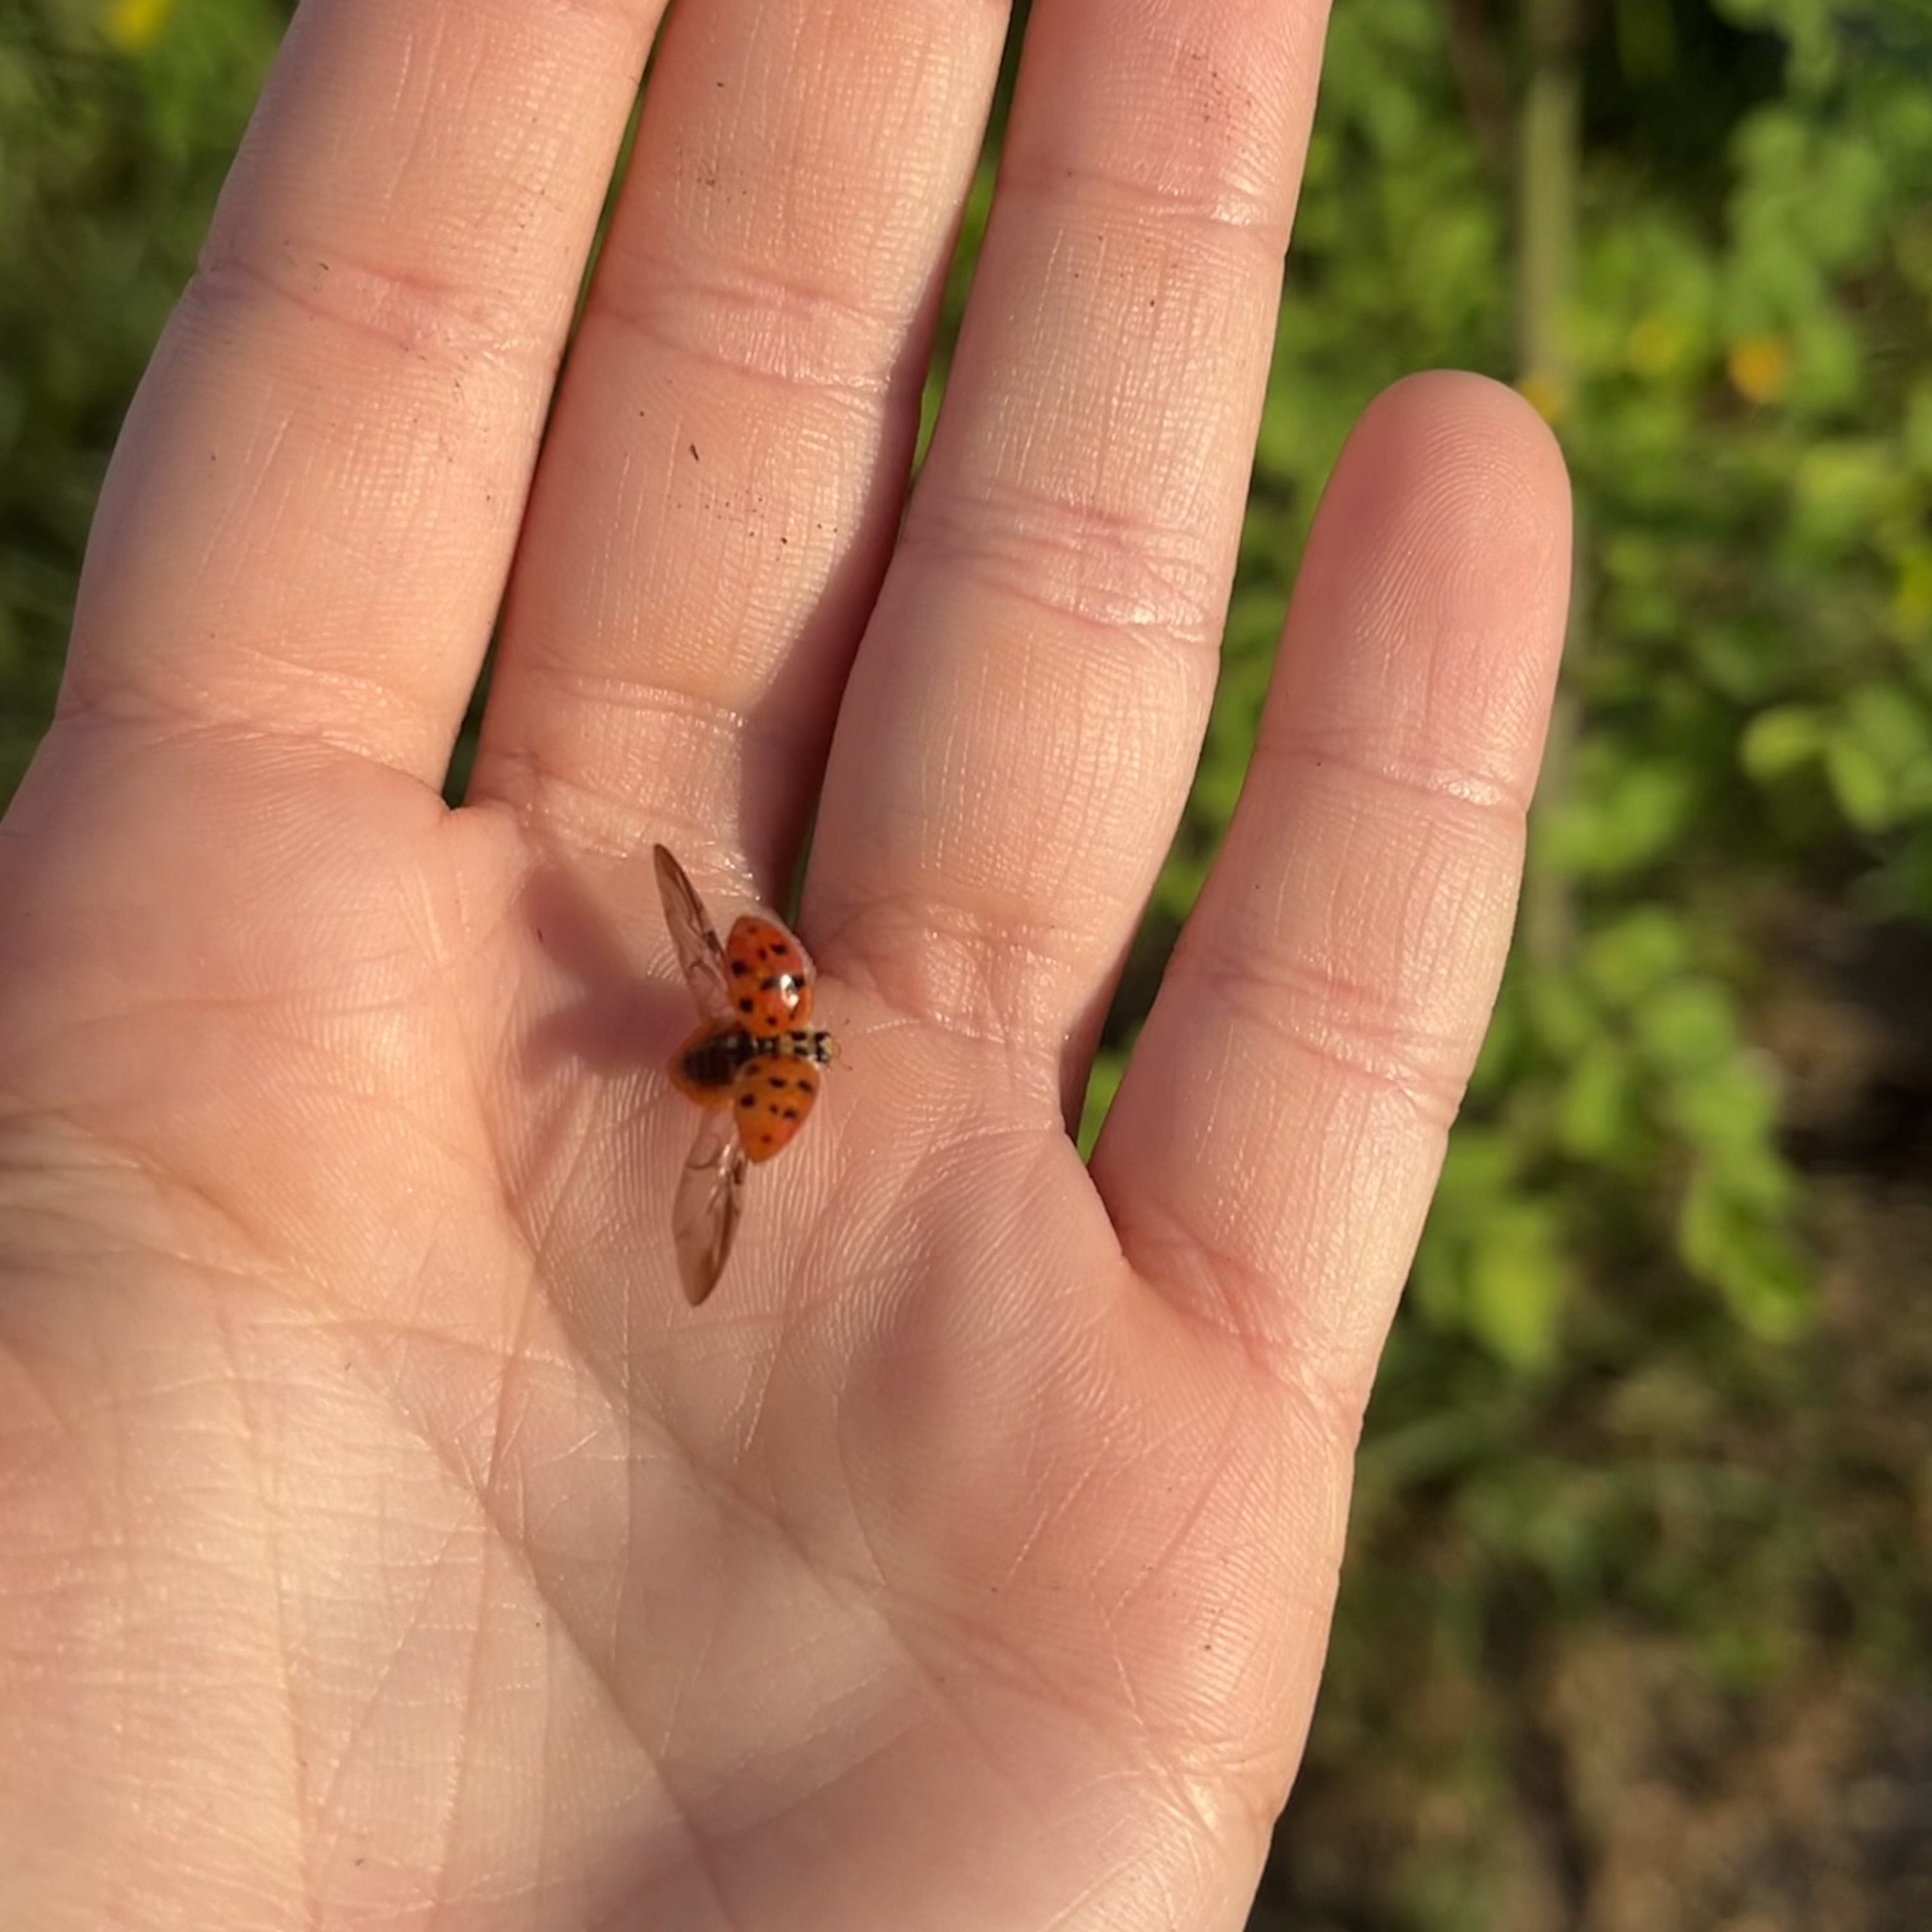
384,1541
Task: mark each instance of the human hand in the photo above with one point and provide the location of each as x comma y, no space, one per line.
383,1541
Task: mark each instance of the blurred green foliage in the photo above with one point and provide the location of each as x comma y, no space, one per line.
117,121
1589,1404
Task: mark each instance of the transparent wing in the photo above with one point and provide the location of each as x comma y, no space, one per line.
710,1197
694,937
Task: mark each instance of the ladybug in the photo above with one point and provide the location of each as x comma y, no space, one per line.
752,1065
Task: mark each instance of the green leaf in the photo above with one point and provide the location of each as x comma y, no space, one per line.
1782,740
1891,729
1624,820
1916,427
1633,955
1564,1017
1878,755
1688,1025
1518,1283
1860,783
1728,1107
1842,489
1594,1113
1748,1256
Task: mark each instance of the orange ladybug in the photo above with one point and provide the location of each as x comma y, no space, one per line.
752,1065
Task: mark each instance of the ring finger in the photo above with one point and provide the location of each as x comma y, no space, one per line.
1023,718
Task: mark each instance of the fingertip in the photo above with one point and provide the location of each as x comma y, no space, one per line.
1429,616
1464,466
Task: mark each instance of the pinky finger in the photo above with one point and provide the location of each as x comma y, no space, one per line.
1270,1156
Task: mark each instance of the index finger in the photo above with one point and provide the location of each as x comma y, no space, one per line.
307,522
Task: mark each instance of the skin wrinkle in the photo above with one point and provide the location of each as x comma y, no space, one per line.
956,991
608,610
946,1704
1191,1804
167,1188
187,704
940,1154
355,1743
465,1487
745,1417
461,1780
706,1844
1069,1504
1329,1396
786,354
1426,1070
874,120
1366,759
628,17
496,181
1212,218
966,1652
1241,140
1130,585
1047,1513
1100,723
1325,1395
265,478
776,593
1412,1011
719,1488
1096,439
279,1261
529,780
648,223
272,1553
461,329
725,633
1214,1466
163,682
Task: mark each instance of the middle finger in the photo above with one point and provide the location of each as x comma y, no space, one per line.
725,469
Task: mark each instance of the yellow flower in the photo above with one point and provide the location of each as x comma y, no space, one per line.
132,24
1759,367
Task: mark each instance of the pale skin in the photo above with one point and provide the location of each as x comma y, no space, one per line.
384,1543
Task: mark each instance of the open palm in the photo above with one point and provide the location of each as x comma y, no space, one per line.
383,1541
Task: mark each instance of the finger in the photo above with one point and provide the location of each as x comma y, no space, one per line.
1025,713
740,410
1269,1156
307,523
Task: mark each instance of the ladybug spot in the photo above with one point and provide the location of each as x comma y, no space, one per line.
739,967
747,1099
747,1004
791,1113
777,1082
